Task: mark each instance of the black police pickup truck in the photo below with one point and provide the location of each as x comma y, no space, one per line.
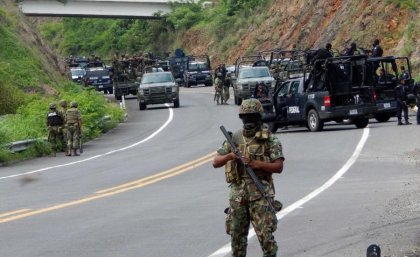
334,91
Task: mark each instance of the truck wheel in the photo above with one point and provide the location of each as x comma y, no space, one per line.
382,117
111,90
118,97
361,123
142,106
273,127
176,103
314,122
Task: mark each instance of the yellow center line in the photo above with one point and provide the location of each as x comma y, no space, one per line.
156,175
112,191
13,212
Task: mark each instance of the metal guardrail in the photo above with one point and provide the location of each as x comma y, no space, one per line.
20,146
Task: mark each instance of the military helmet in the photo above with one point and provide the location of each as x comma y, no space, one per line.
251,106
53,106
63,103
73,104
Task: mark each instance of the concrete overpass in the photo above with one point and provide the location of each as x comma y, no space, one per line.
96,8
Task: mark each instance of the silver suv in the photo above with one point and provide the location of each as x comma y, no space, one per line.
246,79
157,88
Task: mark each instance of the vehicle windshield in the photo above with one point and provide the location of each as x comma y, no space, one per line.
77,72
97,73
198,66
254,73
156,78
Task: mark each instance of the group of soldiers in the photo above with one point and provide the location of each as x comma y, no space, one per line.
130,68
64,128
221,85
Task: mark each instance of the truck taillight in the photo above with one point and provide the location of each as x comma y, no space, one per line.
327,101
374,95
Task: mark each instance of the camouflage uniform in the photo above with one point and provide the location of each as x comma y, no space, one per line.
218,90
54,123
246,204
63,130
73,123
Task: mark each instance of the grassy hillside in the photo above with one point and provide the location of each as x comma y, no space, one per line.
31,78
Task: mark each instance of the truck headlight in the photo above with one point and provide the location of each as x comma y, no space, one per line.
174,89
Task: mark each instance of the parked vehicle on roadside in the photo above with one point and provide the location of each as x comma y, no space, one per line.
158,88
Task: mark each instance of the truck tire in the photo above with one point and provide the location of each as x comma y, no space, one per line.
111,90
361,123
142,106
176,103
382,117
314,122
118,97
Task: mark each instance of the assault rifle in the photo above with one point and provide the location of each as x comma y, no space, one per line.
247,168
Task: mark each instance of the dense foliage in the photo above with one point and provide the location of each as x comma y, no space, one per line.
27,89
79,36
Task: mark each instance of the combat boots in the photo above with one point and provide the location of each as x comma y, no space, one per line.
74,152
68,152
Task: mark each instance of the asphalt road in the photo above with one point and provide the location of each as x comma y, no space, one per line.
147,189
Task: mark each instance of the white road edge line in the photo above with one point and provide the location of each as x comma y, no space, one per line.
226,249
171,115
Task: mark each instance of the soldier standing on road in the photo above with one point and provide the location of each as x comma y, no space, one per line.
63,132
225,83
73,121
54,123
218,87
401,97
262,151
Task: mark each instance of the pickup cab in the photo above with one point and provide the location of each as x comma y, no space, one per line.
334,91
158,88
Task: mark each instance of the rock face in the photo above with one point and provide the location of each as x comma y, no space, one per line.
311,24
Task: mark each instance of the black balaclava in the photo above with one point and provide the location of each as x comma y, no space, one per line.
252,124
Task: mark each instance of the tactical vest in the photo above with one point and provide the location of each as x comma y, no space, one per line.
54,119
72,116
255,148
